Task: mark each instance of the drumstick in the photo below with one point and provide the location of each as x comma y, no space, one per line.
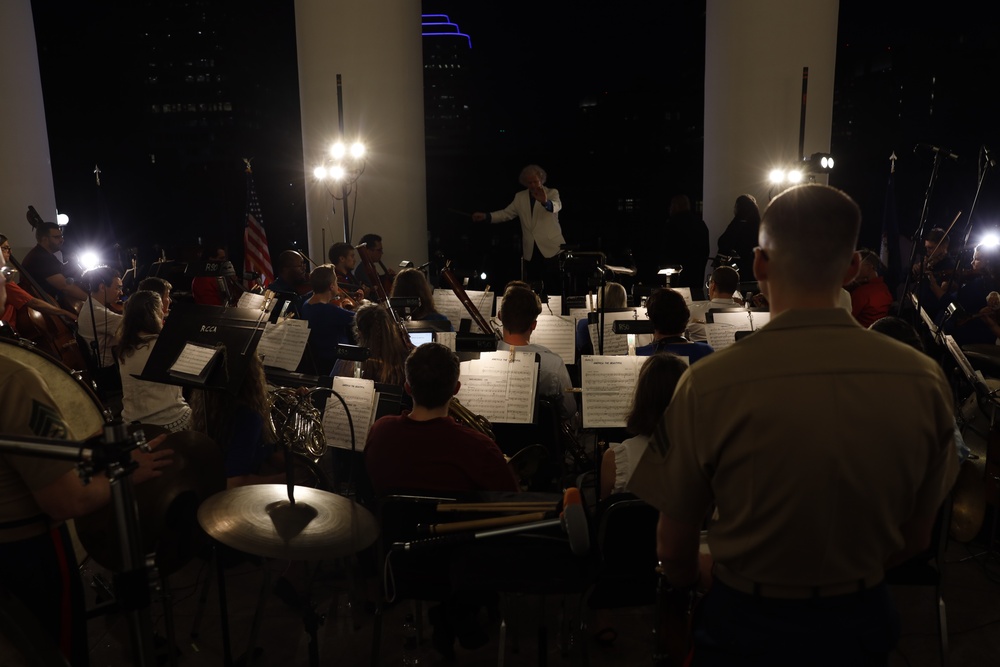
444,528
498,507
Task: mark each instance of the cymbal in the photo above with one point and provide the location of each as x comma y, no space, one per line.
167,504
259,520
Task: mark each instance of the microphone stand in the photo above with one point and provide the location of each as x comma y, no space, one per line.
985,163
919,234
132,584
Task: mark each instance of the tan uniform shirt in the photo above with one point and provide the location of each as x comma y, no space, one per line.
816,439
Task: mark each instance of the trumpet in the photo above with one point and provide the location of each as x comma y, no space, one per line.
296,422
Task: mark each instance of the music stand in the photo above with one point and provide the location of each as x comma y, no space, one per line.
235,330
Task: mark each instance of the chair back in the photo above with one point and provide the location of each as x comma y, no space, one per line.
626,543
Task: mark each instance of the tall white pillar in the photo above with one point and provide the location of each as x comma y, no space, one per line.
376,46
754,55
25,166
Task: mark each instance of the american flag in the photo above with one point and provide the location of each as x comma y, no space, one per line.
256,257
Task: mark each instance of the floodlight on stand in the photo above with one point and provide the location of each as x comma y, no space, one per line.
990,240
776,176
88,260
819,163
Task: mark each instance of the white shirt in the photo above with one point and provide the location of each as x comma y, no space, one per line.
106,322
151,402
696,326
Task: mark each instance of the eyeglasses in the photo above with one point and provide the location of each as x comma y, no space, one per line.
5,248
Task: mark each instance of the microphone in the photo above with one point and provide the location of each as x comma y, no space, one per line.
936,149
989,159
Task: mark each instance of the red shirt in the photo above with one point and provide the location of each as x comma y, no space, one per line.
870,301
17,299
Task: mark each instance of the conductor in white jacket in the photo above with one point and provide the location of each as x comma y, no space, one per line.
541,236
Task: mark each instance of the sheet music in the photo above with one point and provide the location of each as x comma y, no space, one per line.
552,307
251,301
446,338
193,359
721,335
616,343
283,342
448,304
500,386
608,386
558,334
684,292
744,320
359,394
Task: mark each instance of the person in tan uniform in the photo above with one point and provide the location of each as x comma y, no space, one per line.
816,491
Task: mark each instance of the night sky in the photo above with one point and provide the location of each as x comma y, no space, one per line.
534,65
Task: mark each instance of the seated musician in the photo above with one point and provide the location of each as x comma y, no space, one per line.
615,299
413,283
722,286
975,322
518,314
375,330
655,386
291,279
144,401
17,298
870,298
670,315
98,322
43,265
239,425
37,563
933,272
344,261
425,449
329,324
373,245
161,287
211,290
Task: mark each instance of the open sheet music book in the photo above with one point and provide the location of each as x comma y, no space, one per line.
197,361
283,343
608,385
501,386
557,333
721,328
255,301
361,399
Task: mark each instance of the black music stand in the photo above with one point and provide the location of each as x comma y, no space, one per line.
236,330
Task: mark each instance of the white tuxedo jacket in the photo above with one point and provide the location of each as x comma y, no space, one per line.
537,225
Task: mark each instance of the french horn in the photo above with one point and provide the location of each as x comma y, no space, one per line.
296,422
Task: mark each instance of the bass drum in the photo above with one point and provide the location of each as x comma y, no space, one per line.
81,409
168,504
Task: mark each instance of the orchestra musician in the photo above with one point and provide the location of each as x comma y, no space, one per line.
803,535
37,563
43,265
670,315
373,245
375,329
18,299
98,322
870,297
290,279
161,287
215,290
329,323
518,314
344,260
933,271
413,283
975,321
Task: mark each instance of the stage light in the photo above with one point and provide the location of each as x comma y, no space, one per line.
337,172
795,176
320,173
991,240
62,219
777,176
482,276
88,260
337,151
357,150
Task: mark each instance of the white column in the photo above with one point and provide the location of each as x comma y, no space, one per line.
25,166
754,55
376,46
